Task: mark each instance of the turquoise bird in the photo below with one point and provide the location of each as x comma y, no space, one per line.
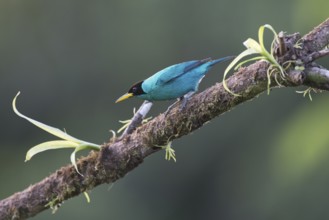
176,81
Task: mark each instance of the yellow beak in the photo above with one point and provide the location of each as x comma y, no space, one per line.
124,97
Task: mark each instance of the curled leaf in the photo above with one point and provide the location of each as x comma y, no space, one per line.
67,142
49,145
232,64
72,157
55,131
253,46
52,130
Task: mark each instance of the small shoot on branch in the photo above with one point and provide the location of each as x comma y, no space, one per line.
126,123
170,152
308,92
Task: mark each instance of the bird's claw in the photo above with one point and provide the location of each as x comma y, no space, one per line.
169,108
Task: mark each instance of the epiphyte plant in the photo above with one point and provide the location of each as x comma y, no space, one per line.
257,48
67,141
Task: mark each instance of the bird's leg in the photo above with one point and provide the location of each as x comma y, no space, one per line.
185,98
170,107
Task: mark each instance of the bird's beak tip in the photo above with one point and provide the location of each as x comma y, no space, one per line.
124,97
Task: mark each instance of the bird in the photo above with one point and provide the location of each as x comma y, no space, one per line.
178,81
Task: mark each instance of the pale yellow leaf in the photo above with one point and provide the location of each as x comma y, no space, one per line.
49,145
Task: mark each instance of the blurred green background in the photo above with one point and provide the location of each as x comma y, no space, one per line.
266,159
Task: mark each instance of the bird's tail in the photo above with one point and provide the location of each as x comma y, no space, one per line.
213,62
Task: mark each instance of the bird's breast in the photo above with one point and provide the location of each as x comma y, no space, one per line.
171,90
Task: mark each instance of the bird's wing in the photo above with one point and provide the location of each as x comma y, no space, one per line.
173,72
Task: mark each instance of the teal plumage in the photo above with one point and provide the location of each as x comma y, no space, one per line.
173,82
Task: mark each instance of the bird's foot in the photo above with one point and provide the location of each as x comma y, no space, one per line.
170,107
184,102
185,99
170,152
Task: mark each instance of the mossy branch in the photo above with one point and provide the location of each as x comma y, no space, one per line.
121,155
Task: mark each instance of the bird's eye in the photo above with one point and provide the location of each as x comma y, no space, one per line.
134,89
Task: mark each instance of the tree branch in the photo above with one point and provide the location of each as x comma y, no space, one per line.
118,157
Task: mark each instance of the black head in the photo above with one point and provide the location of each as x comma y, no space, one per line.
136,89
